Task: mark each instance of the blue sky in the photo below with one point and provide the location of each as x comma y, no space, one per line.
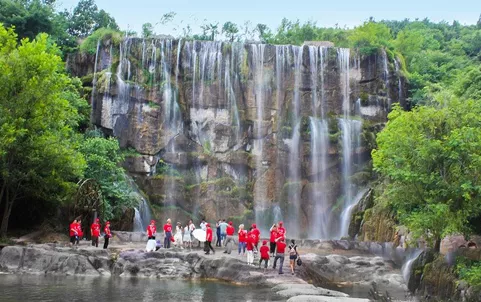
133,13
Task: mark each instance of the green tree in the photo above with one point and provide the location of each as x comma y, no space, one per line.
369,37
230,30
86,18
38,154
432,159
103,158
147,30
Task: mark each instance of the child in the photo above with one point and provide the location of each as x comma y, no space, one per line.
264,250
250,248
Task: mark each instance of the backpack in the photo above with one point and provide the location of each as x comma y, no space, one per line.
292,250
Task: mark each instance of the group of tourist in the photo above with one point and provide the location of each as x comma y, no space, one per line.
247,241
76,233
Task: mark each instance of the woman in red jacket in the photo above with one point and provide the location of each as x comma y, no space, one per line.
208,240
80,234
95,232
73,232
264,251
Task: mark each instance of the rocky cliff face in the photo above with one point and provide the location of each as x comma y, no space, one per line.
245,131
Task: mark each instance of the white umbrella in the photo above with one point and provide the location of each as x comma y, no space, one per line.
199,234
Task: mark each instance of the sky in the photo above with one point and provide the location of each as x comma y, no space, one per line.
131,14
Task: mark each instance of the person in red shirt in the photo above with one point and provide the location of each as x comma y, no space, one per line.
264,251
230,230
272,240
80,234
250,247
281,231
151,230
95,232
281,248
208,240
257,234
242,234
107,235
167,233
73,232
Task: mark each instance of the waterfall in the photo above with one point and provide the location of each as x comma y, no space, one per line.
346,213
406,268
143,214
260,192
386,76
94,85
295,185
399,83
350,137
320,216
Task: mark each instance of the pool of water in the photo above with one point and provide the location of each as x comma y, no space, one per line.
78,289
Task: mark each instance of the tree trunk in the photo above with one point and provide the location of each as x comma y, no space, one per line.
2,191
437,245
6,214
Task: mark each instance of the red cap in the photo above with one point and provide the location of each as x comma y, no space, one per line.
152,221
230,222
97,220
207,224
254,225
108,222
264,242
280,222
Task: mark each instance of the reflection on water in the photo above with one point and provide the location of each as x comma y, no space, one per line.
79,289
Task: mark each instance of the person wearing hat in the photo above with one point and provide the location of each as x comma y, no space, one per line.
264,251
208,240
281,249
151,230
95,232
230,230
256,234
107,235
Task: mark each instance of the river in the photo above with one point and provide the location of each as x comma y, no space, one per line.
50,288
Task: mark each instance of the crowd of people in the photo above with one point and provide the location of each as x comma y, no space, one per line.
248,241
76,233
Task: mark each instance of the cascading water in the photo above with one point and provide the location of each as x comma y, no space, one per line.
260,192
350,135
320,216
406,268
294,188
386,77
347,211
400,86
143,214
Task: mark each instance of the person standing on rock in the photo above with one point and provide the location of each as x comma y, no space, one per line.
151,230
95,232
250,247
208,240
293,254
73,232
202,227
178,236
256,235
80,234
281,248
223,234
272,239
242,235
264,251
187,237
218,234
281,231
230,230
167,233
107,235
